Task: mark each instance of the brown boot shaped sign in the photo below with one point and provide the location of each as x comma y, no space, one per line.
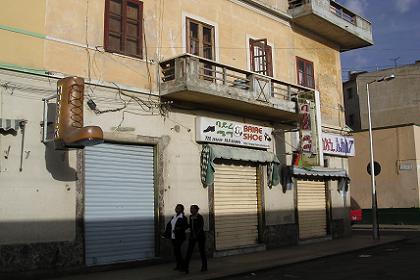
69,130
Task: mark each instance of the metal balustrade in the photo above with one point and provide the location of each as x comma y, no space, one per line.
262,88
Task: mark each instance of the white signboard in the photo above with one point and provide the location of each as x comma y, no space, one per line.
232,133
338,145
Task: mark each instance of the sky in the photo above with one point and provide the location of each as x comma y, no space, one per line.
396,33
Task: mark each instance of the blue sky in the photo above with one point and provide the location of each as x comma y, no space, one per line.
396,31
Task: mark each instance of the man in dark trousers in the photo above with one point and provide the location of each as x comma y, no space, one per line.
175,230
197,235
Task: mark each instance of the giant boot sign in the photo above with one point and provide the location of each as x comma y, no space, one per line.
69,129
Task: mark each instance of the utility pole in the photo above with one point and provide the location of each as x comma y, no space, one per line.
375,224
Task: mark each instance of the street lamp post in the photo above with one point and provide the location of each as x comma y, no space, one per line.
375,224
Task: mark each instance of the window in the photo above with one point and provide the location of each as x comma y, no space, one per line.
350,93
261,57
123,27
305,72
200,39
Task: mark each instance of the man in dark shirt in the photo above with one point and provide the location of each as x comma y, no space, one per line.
197,235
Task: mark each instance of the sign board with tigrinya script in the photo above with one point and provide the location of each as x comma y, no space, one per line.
220,131
338,145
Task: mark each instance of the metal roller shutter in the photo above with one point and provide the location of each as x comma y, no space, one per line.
119,203
312,212
235,206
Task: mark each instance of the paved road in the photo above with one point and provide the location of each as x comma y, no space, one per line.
395,261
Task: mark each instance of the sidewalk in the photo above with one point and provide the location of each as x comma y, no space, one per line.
232,265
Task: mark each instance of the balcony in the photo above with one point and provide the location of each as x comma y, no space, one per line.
332,21
214,86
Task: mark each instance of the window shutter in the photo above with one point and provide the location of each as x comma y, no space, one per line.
251,54
124,27
269,57
305,72
200,39
261,57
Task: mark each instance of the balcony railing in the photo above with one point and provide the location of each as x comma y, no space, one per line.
335,22
261,88
343,13
335,8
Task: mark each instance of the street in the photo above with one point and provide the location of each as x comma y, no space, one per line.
393,261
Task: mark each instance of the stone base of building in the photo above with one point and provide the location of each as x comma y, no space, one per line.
276,236
40,256
340,228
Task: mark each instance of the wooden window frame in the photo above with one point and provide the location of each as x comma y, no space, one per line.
305,82
267,56
124,5
200,24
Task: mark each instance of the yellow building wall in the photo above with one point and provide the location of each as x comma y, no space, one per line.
396,188
25,50
69,33
79,38
234,24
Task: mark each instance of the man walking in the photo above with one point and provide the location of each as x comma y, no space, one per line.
197,235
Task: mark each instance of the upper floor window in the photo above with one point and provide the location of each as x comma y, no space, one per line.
123,27
200,39
261,57
305,72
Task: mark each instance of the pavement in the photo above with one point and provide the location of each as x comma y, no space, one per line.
393,261
388,227
239,264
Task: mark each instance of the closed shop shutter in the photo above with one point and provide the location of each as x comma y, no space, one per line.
235,205
312,212
119,203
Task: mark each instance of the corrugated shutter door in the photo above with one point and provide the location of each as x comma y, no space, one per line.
119,203
235,206
312,212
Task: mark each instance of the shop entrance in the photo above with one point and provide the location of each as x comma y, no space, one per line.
236,204
312,209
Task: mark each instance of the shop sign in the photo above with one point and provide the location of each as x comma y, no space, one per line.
308,153
232,133
334,144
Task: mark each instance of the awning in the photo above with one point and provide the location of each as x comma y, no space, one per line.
315,173
243,154
9,125
319,172
211,152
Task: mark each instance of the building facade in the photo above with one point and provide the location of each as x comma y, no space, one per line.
197,106
395,110
397,151
395,102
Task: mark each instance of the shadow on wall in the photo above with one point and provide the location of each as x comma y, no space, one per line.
112,238
57,163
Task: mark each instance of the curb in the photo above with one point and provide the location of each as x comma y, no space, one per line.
298,260
389,227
